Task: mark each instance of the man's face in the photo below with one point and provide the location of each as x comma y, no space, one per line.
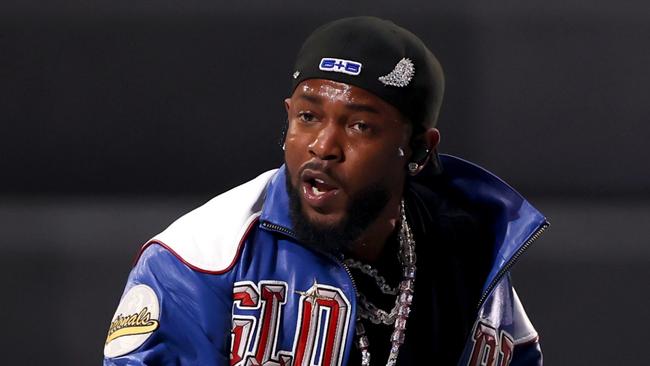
342,156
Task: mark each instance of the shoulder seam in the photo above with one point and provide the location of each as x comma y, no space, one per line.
530,338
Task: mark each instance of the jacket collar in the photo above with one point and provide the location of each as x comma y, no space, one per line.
276,205
516,222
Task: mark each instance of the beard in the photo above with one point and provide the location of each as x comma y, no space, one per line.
363,209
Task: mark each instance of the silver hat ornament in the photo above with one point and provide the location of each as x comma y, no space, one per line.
401,75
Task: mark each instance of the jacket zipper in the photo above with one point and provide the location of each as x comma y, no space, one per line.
486,293
512,262
284,230
278,228
354,285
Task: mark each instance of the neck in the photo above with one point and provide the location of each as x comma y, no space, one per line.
370,245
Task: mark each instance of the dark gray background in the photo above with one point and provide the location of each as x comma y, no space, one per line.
118,116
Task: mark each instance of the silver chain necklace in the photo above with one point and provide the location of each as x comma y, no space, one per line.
400,312
368,270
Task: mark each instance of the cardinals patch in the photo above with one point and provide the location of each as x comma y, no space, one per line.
135,319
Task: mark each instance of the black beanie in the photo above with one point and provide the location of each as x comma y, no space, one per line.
379,56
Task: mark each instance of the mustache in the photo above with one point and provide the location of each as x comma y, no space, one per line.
314,165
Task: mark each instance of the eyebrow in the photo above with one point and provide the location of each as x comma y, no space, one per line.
311,98
353,106
362,108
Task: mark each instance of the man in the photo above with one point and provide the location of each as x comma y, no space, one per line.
365,247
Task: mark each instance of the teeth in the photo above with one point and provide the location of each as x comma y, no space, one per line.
319,180
316,191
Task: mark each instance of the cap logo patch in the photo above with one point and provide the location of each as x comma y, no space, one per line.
134,321
401,75
339,65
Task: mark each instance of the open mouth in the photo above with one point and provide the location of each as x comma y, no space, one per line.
318,188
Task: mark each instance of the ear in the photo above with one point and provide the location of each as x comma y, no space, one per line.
431,139
285,127
287,105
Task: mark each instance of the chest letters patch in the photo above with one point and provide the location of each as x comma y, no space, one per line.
320,332
490,348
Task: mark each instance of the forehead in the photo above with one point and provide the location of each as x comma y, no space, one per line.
325,90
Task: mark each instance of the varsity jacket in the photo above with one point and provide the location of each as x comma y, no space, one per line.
228,284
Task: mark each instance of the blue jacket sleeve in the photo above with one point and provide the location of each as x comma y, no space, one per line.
527,354
162,317
527,351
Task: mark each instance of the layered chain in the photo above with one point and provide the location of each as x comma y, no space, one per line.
368,270
368,310
400,312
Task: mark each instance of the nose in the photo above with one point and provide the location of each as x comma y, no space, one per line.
326,145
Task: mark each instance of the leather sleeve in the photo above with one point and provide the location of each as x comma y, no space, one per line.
527,354
185,333
527,351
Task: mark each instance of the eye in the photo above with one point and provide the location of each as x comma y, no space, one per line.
306,116
360,126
